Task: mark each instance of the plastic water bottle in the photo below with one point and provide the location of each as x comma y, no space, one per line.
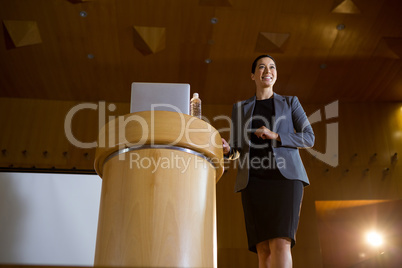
195,106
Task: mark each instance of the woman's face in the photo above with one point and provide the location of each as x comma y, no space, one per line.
265,73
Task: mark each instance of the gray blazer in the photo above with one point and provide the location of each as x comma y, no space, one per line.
290,123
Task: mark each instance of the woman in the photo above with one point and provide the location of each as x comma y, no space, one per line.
267,131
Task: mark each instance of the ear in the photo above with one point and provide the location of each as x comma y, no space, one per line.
252,76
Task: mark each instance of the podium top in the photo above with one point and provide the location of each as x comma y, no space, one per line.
159,129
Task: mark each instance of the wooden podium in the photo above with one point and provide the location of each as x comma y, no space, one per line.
158,204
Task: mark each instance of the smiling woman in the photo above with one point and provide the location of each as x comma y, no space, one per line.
264,76
270,126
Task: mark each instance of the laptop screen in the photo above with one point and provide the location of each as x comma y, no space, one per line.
160,96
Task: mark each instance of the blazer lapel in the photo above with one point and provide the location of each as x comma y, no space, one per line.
248,109
279,105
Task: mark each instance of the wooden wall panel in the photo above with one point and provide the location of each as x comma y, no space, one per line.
33,134
368,139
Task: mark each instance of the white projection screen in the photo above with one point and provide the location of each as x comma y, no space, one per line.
48,219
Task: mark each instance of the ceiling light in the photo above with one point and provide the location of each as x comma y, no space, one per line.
340,27
214,20
208,61
374,239
83,14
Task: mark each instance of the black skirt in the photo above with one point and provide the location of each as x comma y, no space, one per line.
271,208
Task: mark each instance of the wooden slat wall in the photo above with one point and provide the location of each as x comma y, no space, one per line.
369,135
37,126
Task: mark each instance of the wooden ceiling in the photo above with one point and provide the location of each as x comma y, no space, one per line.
90,50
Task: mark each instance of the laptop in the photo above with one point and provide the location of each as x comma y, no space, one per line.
160,96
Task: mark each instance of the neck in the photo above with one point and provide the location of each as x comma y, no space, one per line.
264,93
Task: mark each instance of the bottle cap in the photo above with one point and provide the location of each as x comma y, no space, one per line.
195,95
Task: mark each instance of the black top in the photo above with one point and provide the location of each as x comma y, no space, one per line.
262,161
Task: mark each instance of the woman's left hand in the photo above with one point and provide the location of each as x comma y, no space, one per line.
265,133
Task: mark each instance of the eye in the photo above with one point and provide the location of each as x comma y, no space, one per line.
261,66
272,67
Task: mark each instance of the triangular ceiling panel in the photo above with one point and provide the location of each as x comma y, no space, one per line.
346,7
23,33
271,42
394,44
149,40
383,50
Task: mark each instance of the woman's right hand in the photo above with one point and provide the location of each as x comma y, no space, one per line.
225,146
